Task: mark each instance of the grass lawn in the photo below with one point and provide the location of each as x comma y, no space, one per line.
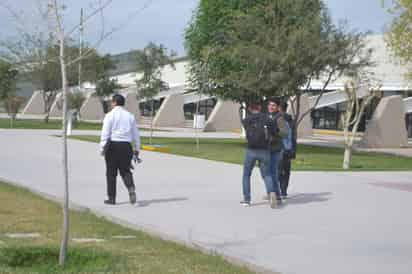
52,124
24,212
308,158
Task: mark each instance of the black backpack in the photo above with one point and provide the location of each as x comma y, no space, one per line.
258,131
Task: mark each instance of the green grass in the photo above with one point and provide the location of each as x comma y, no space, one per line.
24,212
43,259
309,158
52,124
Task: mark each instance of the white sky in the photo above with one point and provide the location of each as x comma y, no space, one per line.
164,21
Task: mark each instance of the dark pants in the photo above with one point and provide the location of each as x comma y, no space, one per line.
284,173
275,159
118,158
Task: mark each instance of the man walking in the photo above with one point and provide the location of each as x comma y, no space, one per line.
289,151
118,134
277,141
259,129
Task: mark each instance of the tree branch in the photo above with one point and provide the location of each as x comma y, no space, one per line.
106,35
325,85
91,15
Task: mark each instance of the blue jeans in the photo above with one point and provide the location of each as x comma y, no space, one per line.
275,159
253,155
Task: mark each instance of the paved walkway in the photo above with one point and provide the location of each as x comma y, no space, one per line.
333,223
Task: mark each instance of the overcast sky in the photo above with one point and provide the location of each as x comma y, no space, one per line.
164,21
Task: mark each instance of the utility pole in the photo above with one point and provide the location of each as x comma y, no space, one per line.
81,30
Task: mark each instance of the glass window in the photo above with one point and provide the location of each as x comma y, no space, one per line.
408,120
205,108
146,107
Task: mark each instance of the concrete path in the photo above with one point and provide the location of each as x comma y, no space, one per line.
333,223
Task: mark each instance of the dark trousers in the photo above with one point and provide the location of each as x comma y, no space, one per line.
284,173
118,158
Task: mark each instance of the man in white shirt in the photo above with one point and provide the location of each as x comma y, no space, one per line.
119,133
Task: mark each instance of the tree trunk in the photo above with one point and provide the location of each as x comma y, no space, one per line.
65,205
48,102
347,157
196,129
102,103
151,122
296,123
46,118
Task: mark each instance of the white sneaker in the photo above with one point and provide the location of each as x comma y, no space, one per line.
245,203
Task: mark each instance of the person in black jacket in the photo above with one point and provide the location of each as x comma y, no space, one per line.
287,154
276,147
259,129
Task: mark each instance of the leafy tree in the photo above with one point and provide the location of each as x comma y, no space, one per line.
76,100
399,36
207,31
96,66
39,57
150,61
97,69
13,104
8,78
266,48
104,88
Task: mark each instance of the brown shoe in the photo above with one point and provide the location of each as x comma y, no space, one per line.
273,201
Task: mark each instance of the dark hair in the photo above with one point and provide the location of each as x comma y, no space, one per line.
254,105
118,99
275,100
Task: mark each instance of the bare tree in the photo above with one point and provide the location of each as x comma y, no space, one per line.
51,11
201,85
351,118
54,10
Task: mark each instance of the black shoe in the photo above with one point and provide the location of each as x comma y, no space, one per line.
280,201
132,197
110,202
